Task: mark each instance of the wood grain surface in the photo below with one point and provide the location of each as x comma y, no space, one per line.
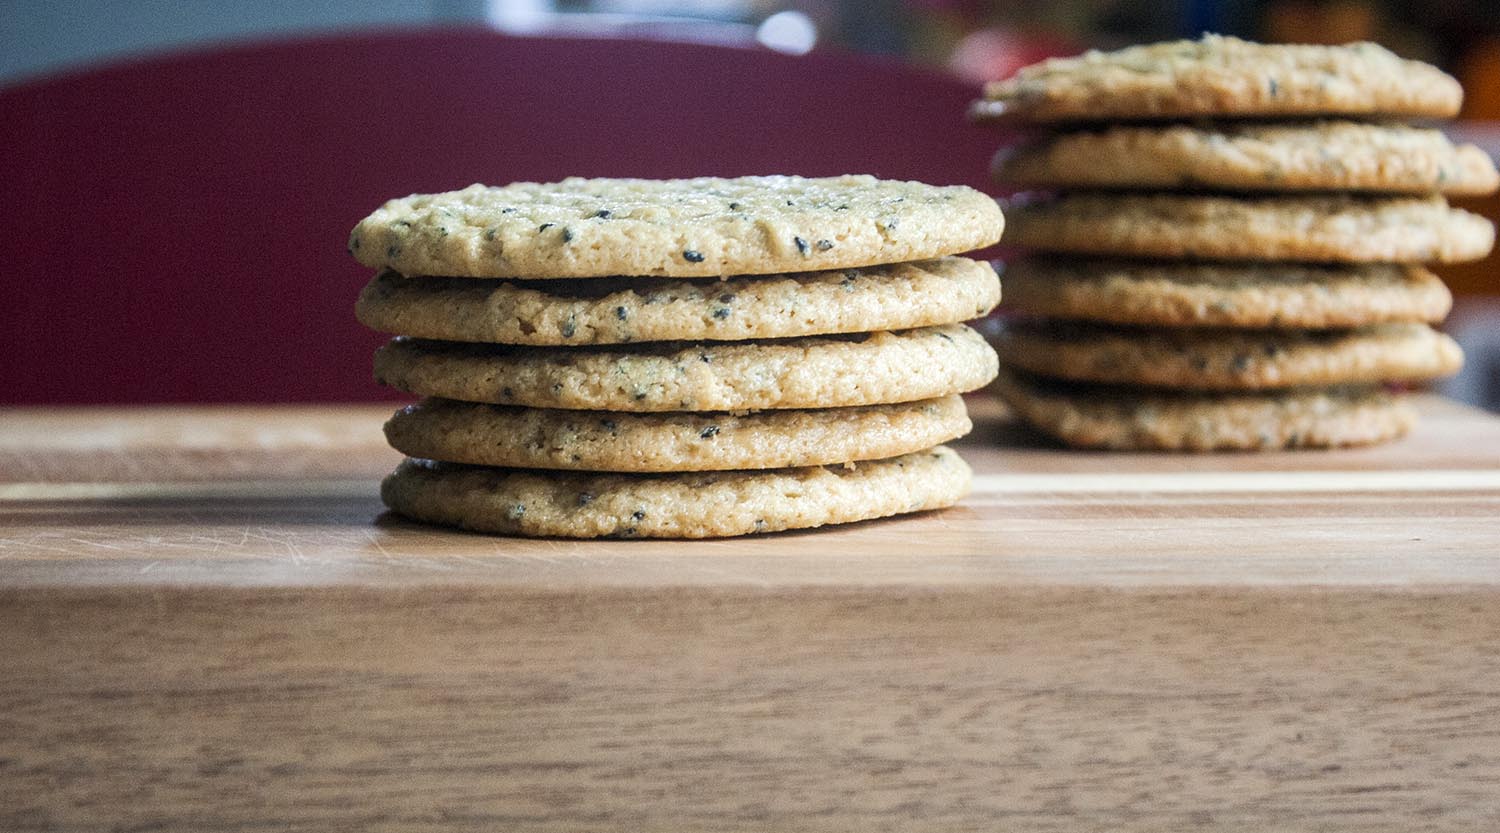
207,623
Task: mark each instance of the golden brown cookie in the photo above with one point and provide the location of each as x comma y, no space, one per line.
1234,295
813,372
1217,77
624,310
586,228
1123,419
1229,359
499,435
691,505
1230,156
1324,228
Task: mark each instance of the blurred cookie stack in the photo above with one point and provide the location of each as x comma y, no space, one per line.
679,358
1226,251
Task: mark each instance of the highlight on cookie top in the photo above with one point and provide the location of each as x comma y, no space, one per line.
1217,76
698,227
679,358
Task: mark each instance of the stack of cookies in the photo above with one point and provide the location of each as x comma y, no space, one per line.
678,358
1236,263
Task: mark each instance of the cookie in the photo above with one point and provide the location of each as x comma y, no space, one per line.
1238,295
813,372
499,435
583,228
1091,416
1229,359
1222,77
624,310
1318,156
1323,228
693,505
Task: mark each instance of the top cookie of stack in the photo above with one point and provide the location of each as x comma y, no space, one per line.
678,358
1231,255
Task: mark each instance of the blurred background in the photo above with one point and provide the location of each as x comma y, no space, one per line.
206,159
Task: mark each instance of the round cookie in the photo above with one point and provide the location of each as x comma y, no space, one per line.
1088,416
1229,359
499,435
1319,156
812,372
582,228
623,310
1324,228
1220,76
692,505
1241,295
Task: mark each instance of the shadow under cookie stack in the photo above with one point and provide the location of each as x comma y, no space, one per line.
680,358
1229,251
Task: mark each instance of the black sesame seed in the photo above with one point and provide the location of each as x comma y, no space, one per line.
489,233
517,511
567,235
721,312
708,432
726,298
692,256
585,498
621,314
640,394
602,213
507,210
824,245
545,226
705,358
638,515
734,206
801,244
607,424
1273,87
569,327
507,392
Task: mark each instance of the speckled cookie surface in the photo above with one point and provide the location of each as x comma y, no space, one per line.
1319,156
1249,295
703,227
1087,416
1221,76
1324,228
1229,359
813,372
693,505
498,435
624,310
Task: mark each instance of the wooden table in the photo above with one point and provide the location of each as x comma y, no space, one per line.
207,623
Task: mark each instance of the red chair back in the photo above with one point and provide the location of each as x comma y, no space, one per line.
177,225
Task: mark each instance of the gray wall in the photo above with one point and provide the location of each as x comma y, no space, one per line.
38,37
